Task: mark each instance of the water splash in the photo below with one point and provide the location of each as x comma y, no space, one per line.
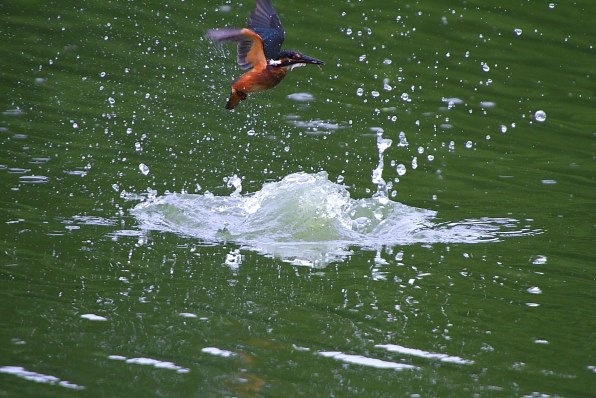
377,174
306,219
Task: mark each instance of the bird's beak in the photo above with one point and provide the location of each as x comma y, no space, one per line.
310,60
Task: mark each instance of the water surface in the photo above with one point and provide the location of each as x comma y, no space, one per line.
413,219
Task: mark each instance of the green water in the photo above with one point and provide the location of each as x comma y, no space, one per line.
92,90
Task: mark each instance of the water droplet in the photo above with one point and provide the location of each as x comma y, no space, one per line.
540,116
144,168
251,132
485,67
414,163
340,179
375,94
420,150
402,139
430,158
503,128
405,97
518,31
469,144
360,91
551,5
401,169
111,100
387,61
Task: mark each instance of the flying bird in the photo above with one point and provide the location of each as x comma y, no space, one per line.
260,53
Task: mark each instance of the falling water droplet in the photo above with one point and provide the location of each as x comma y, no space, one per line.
403,141
401,169
540,116
414,163
144,168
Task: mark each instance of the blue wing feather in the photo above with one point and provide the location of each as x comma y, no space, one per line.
265,22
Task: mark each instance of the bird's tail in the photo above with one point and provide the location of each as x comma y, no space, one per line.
235,98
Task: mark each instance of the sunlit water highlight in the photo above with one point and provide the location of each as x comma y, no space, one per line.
365,361
308,220
25,374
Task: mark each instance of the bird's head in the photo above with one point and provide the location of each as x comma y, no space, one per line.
293,59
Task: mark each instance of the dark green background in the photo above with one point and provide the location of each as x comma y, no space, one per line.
75,76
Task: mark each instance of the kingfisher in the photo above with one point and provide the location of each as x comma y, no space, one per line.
259,52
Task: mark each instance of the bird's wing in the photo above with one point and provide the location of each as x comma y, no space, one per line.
250,46
265,22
